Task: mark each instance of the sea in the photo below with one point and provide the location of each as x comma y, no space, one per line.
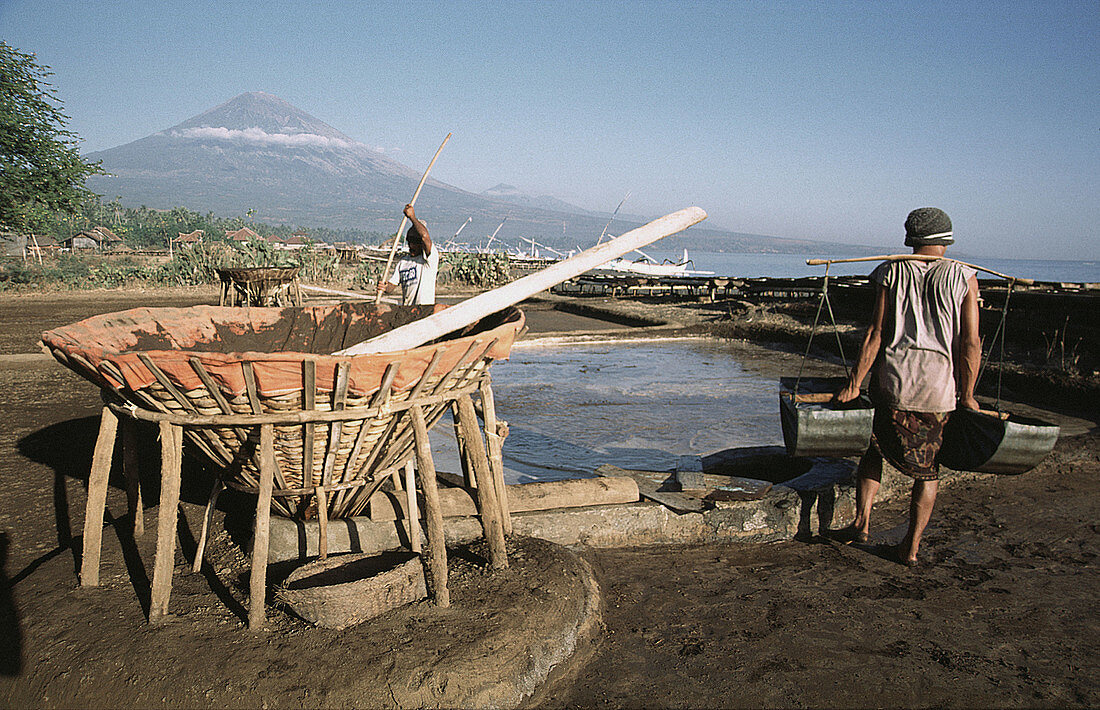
794,266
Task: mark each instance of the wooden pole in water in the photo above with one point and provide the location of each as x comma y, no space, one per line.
404,219
472,310
916,257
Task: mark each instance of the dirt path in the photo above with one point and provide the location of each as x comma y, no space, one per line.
1005,614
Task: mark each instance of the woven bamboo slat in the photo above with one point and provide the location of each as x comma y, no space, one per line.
339,423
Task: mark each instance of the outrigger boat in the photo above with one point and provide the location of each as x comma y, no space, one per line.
648,266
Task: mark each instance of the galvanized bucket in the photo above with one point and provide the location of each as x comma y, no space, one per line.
989,443
814,426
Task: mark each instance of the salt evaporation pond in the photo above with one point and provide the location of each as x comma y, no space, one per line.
572,406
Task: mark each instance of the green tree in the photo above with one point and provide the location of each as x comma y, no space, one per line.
40,166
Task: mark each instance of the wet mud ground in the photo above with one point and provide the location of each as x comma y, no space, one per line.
1003,613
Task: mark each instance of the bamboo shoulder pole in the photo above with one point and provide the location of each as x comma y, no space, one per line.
404,219
474,309
916,257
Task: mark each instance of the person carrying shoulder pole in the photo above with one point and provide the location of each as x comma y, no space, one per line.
415,273
924,352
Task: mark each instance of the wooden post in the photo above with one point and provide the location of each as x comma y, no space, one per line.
171,459
207,518
258,579
433,514
132,472
322,522
414,514
495,442
97,498
463,455
486,492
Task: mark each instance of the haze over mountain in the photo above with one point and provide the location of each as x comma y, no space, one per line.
259,152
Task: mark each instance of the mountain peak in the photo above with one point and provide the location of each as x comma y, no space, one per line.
257,113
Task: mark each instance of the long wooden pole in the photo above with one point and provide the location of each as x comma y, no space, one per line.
474,309
404,219
916,257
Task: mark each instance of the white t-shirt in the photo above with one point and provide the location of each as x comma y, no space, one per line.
416,275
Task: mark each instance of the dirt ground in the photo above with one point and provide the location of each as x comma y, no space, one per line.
1003,613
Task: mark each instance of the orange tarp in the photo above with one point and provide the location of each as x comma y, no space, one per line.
275,340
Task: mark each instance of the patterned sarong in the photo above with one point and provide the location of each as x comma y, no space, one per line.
910,441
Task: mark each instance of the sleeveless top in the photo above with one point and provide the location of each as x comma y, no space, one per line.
914,370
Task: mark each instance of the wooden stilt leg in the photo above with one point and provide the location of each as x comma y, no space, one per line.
486,492
495,442
97,498
258,581
463,456
322,522
171,448
433,514
207,518
133,477
413,518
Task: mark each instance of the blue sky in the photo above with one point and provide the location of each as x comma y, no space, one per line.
822,120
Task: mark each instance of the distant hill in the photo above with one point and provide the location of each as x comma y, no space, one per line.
259,152
508,193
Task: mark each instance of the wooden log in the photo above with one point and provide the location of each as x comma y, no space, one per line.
486,491
171,458
257,583
474,309
437,545
525,497
97,498
676,502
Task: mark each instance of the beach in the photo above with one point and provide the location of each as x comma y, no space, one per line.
1002,612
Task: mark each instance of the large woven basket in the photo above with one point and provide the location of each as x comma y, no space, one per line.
208,362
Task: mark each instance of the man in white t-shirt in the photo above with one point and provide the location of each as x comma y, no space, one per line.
416,272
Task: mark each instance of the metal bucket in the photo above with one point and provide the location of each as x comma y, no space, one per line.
986,442
814,426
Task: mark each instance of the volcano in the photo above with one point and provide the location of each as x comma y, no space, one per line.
259,152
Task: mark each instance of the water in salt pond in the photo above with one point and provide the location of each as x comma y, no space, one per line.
572,406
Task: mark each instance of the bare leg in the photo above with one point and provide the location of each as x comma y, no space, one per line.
868,479
920,512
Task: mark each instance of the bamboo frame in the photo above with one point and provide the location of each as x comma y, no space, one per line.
917,257
422,409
